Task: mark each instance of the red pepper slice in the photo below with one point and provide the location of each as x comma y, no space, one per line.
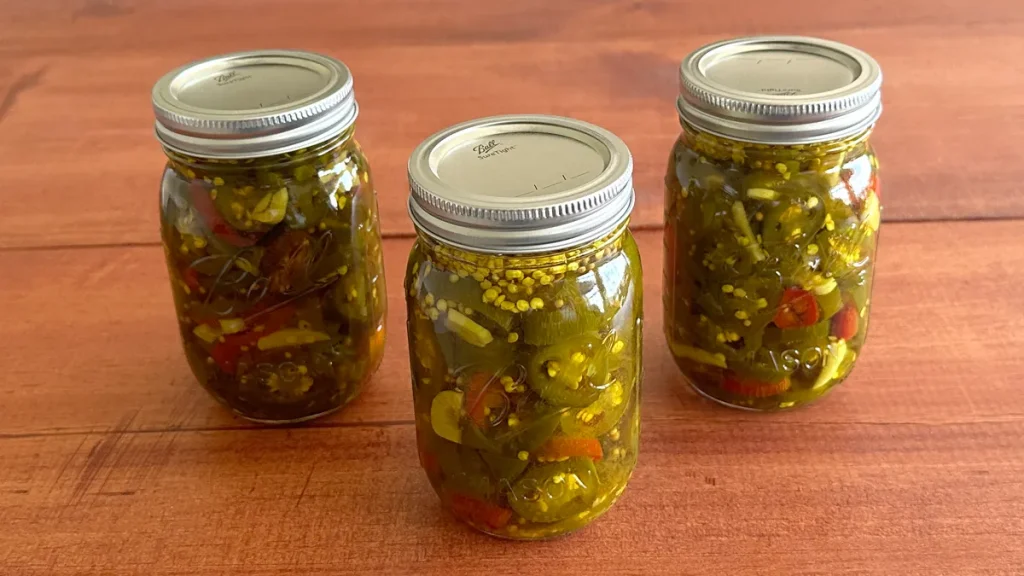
226,356
846,322
226,353
797,309
754,388
190,277
483,397
479,511
876,185
273,320
200,199
566,447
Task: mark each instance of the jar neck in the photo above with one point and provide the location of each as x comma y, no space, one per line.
277,161
757,155
471,263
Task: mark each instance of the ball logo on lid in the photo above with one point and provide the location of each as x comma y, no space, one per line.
485,148
230,78
485,151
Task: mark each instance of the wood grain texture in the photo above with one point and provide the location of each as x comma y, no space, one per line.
116,462
87,355
775,496
80,165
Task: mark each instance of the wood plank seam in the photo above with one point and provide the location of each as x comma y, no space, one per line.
650,227
118,431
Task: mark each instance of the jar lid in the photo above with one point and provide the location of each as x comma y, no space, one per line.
252,104
780,89
520,184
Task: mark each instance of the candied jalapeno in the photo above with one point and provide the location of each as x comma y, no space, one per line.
525,409
571,373
555,492
525,366
274,255
771,230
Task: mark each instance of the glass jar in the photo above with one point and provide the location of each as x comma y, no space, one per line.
270,231
524,301
771,219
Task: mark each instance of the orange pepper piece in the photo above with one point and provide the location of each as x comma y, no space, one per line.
483,396
753,388
797,309
846,322
479,511
566,447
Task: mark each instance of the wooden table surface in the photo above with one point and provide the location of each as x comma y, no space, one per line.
114,461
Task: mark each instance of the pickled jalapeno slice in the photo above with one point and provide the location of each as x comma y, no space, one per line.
571,373
529,365
554,492
598,418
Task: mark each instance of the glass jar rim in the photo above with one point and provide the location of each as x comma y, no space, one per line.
780,89
253,104
520,184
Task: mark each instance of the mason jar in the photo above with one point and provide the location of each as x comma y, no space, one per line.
269,226
524,301
771,218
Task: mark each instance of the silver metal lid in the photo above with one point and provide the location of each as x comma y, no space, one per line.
780,89
252,104
520,184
